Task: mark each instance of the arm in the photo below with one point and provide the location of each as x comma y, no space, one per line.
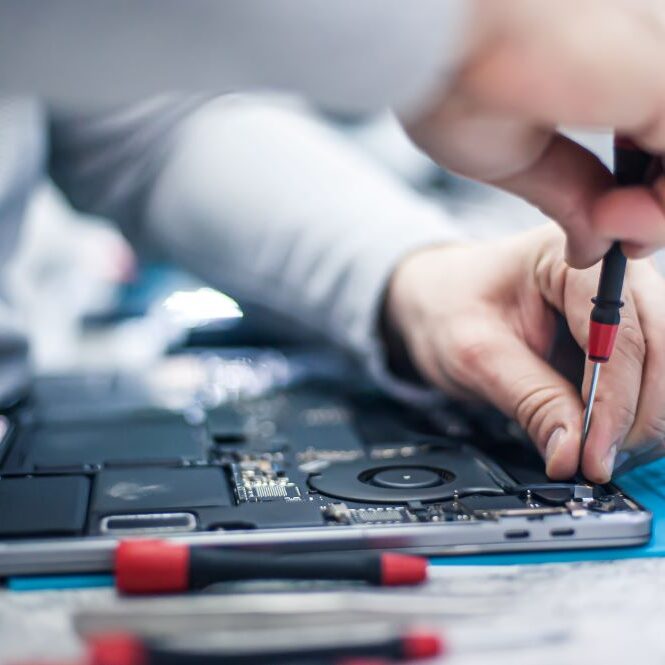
262,201
352,55
535,66
259,199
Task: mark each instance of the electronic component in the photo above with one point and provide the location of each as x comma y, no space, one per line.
427,477
279,490
45,506
321,424
392,452
155,489
147,523
158,439
444,512
268,515
226,426
262,478
317,455
342,514
6,431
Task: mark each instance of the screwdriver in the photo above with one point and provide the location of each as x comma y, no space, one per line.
631,167
370,647
158,566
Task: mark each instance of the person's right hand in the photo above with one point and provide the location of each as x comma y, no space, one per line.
478,321
531,65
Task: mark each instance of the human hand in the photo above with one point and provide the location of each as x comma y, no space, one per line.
478,321
531,66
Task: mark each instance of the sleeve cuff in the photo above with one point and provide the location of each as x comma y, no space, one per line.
361,313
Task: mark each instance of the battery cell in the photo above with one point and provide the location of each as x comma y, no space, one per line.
43,506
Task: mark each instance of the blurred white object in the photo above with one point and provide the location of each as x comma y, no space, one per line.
383,138
67,265
200,307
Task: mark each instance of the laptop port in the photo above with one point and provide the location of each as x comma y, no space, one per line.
516,534
119,525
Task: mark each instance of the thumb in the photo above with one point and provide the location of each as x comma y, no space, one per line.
506,372
636,215
566,183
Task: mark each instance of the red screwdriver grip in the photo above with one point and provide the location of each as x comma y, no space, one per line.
402,569
151,566
601,340
116,649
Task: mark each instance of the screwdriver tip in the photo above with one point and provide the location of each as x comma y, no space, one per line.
590,401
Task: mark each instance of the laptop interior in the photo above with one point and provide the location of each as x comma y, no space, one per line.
257,450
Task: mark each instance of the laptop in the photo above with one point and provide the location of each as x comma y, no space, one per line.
258,449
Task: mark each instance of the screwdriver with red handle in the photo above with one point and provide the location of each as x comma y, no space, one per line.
368,648
631,168
159,566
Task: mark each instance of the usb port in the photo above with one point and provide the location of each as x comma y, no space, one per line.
517,533
556,533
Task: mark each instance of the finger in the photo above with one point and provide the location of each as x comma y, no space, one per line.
632,214
634,251
503,370
566,183
570,292
649,424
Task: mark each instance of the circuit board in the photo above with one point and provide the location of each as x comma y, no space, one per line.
83,461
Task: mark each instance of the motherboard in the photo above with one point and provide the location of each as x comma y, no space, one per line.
101,456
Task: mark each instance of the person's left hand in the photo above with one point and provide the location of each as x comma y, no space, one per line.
478,321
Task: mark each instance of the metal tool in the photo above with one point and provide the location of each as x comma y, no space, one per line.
591,400
631,166
376,644
159,566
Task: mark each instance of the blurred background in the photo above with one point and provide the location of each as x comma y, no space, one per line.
89,302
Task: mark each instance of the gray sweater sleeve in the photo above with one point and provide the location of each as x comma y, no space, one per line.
348,54
260,199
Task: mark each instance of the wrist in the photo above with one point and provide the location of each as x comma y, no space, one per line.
404,307
397,358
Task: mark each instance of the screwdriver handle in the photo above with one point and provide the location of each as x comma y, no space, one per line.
605,315
127,649
158,566
631,167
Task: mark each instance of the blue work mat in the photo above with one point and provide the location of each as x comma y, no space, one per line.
646,485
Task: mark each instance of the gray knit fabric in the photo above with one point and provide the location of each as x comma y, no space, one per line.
87,54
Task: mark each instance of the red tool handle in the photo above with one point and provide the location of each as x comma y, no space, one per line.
631,166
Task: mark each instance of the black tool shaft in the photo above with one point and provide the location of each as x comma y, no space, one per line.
631,166
208,566
390,650
607,302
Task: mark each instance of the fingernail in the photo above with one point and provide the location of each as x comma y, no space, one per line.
557,437
608,460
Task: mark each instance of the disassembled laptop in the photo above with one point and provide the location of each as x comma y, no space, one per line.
91,459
